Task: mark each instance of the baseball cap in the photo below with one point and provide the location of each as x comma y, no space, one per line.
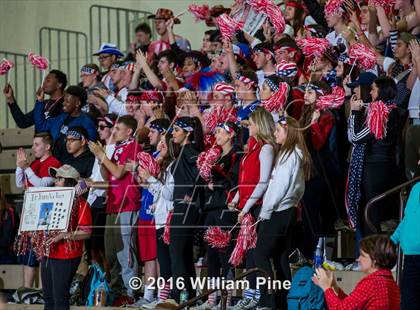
109,48
65,171
365,78
89,69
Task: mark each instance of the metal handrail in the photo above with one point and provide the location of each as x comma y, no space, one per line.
403,194
382,196
224,291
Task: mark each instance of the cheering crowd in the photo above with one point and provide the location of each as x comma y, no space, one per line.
231,155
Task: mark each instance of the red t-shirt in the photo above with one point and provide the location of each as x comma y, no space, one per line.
40,168
124,194
67,249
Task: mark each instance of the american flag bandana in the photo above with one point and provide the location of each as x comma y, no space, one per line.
244,79
224,88
286,69
87,70
130,66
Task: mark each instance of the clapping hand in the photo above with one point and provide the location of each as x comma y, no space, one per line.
323,278
21,159
97,149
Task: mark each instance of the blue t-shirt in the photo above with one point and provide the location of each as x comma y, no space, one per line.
145,213
243,114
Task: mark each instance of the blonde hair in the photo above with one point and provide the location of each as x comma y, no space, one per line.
264,122
295,139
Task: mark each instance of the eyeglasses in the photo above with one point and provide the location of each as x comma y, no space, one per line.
102,57
102,127
71,140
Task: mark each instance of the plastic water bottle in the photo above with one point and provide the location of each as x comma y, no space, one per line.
183,297
318,257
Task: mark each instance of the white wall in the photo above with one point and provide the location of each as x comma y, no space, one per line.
21,21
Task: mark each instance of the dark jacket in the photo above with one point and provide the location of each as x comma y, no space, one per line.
185,173
54,107
316,11
82,163
225,181
58,127
382,150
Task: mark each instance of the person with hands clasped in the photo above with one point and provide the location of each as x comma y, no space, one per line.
65,249
378,290
254,174
278,212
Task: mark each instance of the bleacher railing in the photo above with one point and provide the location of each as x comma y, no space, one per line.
25,81
114,25
67,50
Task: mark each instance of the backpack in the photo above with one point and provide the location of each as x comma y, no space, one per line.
304,294
95,280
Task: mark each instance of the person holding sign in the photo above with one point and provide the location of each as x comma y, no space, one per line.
59,266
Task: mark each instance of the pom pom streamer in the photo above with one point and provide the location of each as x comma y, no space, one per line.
205,162
218,115
313,47
364,57
147,162
166,237
247,239
200,12
39,62
278,100
228,26
217,238
5,67
272,11
334,7
377,118
333,100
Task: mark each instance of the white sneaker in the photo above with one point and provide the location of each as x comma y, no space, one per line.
139,303
204,306
241,304
252,304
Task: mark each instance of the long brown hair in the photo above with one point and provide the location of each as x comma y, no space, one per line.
173,152
295,139
3,205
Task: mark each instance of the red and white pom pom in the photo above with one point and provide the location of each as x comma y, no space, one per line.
364,57
278,100
377,118
38,61
218,115
272,11
314,47
333,100
147,162
228,26
247,239
200,12
217,237
5,66
334,7
166,237
388,5
205,162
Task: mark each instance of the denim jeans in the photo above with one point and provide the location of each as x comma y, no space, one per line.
410,286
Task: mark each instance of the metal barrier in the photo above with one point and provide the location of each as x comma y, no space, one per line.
25,81
402,189
114,25
67,50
